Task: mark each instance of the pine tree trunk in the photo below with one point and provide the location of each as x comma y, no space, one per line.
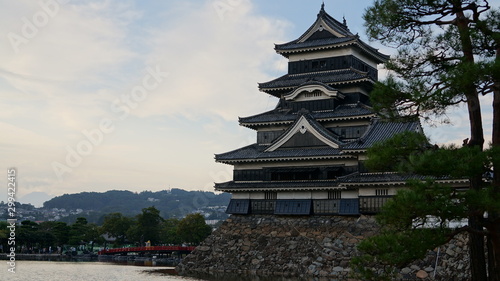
494,250
494,218
476,245
476,240
476,250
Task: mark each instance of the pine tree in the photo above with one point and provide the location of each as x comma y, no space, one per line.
448,53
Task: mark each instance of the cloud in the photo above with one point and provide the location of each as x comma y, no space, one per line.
60,77
459,127
67,60
214,62
60,81
65,77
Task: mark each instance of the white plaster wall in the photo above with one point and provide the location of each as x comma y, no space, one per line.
240,195
332,53
354,90
320,195
349,194
295,195
371,191
257,195
320,54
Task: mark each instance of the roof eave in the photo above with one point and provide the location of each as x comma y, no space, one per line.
357,117
250,189
385,183
271,159
367,79
381,58
253,125
257,124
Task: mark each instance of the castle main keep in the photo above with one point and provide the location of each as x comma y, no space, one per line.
309,153
301,197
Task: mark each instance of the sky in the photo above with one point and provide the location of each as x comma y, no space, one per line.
140,94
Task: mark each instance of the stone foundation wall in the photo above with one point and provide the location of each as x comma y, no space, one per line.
312,246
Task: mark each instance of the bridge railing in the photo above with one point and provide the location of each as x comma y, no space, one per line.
147,249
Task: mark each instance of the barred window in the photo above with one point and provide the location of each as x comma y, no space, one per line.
269,195
382,192
324,207
372,204
334,194
315,93
263,206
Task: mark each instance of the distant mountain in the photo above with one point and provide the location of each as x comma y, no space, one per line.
174,202
35,198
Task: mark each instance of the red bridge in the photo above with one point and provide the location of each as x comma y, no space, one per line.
152,249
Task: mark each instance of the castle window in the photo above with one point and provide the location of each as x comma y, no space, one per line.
372,205
269,195
291,174
334,194
293,207
263,206
238,206
316,65
326,206
382,192
316,93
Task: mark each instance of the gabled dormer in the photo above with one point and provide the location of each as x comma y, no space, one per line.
313,90
305,132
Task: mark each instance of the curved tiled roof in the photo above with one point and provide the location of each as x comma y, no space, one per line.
277,185
354,180
330,77
389,178
293,45
288,116
256,152
385,177
345,110
340,28
306,44
376,132
316,83
331,43
272,116
380,131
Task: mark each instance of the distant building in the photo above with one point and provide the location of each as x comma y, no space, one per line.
308,158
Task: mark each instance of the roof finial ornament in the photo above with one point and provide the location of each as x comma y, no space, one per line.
322,10
345,22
